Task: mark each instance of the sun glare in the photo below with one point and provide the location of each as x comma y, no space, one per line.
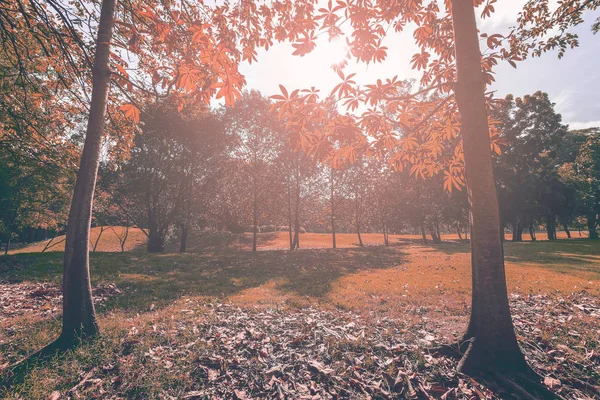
330,52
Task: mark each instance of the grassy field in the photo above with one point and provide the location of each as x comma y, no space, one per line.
409,281
109,241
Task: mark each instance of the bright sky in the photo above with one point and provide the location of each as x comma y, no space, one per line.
573,82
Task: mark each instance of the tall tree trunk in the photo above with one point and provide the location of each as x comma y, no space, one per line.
290,214
184,237
423,234
297,212
79,315
567,230
332,209
592,222
386,234
493,344
254,214
551,227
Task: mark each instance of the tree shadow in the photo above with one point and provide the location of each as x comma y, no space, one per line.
219,242
159,279
568,256
305,272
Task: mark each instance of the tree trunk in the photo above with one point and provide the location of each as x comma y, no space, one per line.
567,231
332,211
125,238
517,231
434,236
50,241
423,234
254,215
460,239
297,216
551,227
7,246
184,237
386,234
79,315
493,344
592,224
102,228
532,233
156,243
290,215
360,242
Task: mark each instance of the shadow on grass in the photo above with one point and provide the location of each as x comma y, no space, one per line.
158,279
219,242
568,256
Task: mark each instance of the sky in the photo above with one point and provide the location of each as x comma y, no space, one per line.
573,82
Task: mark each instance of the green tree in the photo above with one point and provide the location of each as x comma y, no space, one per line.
587,166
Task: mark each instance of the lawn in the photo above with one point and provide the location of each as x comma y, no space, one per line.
151,303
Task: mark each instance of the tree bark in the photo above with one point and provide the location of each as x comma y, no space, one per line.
360,242
386,234
493,344
184,237
551,227
567,231
156,236
517,231
254,214
332,211
124,238
290,214
156,242
460,239
79,315
423,234
297,214
532,233
592,224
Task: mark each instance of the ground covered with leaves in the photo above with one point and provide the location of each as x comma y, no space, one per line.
208,350
311,324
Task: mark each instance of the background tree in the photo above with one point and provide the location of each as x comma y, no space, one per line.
173,164
587,166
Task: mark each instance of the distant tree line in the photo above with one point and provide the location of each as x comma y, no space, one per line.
239,169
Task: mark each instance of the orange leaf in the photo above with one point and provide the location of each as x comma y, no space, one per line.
131,111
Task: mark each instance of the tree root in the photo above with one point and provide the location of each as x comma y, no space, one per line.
516,381
517,385
16,374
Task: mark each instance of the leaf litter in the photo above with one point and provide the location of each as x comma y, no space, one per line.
258,353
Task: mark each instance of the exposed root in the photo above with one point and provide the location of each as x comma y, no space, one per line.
16,374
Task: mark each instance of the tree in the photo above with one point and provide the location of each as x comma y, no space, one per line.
416,134
173,168
587,166
526,170
255,129
191,50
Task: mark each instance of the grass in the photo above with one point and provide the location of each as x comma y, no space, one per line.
109,241
406,280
